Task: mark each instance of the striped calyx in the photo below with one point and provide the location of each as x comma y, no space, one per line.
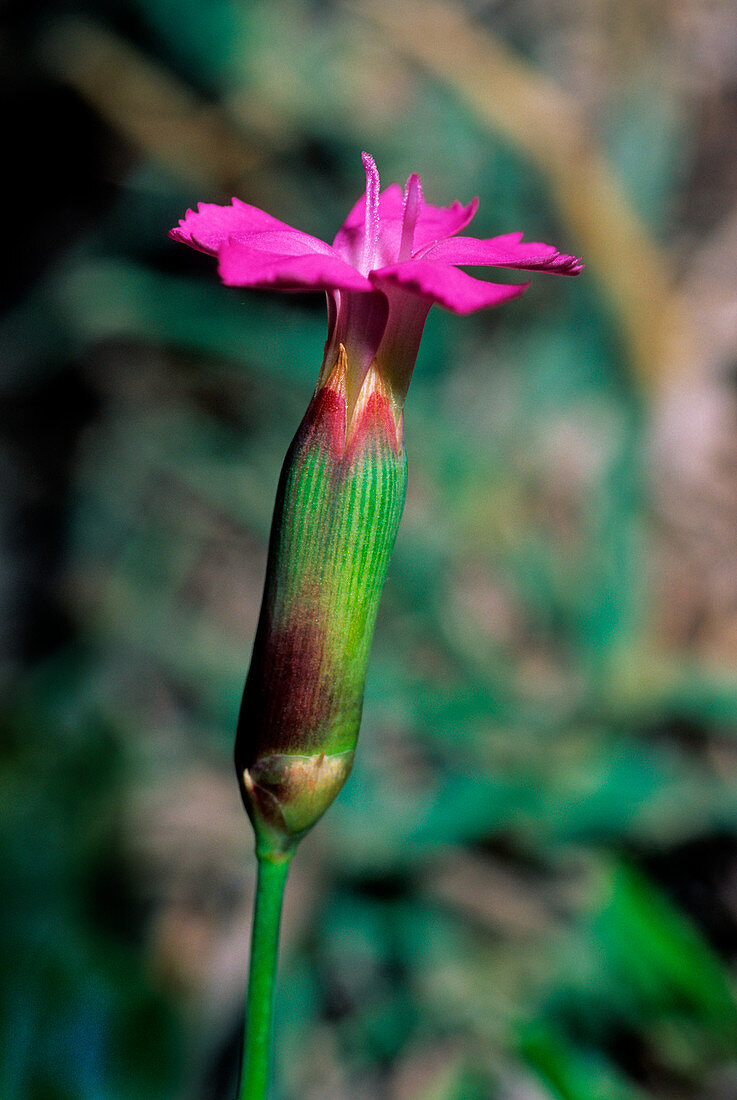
336,517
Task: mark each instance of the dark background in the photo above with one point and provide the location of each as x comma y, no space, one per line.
528,889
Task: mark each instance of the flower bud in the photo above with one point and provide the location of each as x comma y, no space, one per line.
337,512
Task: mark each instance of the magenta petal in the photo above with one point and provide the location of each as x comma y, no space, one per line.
436,222
446,286
506,251
240,264
210,225
280,242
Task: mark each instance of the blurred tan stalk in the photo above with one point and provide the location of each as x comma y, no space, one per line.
156,112
510,97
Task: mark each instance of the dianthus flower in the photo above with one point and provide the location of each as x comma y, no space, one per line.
341,492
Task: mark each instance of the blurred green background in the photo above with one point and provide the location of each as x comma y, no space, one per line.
528,889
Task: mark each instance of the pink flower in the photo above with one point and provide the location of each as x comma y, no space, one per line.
394,257
343,482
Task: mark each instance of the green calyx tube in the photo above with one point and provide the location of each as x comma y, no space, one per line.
337,512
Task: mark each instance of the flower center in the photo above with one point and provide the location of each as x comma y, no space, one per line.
412,202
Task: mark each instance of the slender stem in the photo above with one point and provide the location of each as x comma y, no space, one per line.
272,875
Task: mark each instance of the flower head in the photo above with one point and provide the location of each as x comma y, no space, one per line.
394,257
342,487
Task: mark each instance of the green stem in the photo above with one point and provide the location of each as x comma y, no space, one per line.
272,875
